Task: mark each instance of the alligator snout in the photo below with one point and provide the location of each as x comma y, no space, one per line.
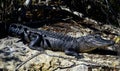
94,41
98,41
102,43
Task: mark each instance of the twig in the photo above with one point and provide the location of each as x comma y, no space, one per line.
75,12
16,69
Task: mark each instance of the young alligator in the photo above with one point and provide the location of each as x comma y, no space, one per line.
41,39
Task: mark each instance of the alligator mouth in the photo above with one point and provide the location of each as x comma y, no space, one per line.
104,43
87,50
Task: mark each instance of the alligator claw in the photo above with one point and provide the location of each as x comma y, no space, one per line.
73,53
79,56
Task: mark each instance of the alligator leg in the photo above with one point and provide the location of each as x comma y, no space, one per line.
34,43
73,53
26,36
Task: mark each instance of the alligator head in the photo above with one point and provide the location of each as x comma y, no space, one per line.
90,42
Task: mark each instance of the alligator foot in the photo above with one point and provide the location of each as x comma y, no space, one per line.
36,40
36,48
21,40
79,56
73,53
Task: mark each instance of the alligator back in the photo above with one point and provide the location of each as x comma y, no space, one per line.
56,35
18,28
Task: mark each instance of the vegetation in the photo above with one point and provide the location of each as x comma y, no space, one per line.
105,11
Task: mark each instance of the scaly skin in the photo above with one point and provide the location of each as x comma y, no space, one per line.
40,39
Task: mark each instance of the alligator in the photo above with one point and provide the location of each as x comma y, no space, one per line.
41,39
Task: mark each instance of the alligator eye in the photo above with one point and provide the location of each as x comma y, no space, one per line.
98,36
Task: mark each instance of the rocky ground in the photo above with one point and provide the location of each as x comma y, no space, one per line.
13,53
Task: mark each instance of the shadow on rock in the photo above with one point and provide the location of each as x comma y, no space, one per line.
104,52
